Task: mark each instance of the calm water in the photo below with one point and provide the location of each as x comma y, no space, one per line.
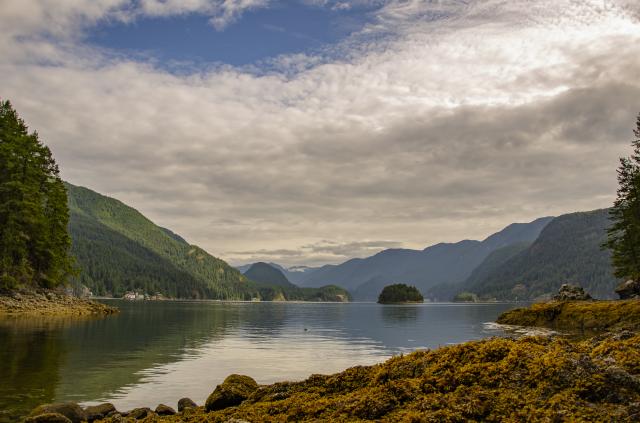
155,352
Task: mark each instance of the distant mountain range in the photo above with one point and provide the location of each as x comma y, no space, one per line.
524,261
117,249
440,263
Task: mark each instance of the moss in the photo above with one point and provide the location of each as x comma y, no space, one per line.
527,379
578,316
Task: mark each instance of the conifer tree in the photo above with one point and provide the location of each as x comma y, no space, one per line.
624,233
34,241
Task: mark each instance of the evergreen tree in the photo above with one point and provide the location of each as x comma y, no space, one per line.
34,242
624,233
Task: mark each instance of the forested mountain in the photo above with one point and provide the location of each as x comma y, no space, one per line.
118,249
295,274
440,263
568,250
267,274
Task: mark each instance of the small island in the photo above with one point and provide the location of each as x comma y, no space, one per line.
400,293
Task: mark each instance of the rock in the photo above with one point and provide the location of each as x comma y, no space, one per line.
186,403
48,418
97,412
234,390
70,410
571,293
165,410
140,413
628,290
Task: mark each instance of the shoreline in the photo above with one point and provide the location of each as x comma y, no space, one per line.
50,303
537,378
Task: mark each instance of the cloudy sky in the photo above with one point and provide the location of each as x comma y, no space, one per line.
313,131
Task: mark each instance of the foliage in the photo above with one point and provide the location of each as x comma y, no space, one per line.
581,316
399,293
34,243
567,251
529,379
624,234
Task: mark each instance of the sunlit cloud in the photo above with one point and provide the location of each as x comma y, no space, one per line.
437,121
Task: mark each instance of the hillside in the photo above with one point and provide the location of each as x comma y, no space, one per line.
266,274
440,263
295,274
568,250
118,249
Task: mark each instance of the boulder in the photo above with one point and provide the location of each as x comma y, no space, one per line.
97,412
629,289
185,403
139,413
165,410
234,390
48,418
70,410
571,293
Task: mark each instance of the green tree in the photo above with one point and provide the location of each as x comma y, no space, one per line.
624,234
34,242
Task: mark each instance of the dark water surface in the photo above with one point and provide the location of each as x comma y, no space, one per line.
158,352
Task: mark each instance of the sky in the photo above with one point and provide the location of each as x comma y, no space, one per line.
307,132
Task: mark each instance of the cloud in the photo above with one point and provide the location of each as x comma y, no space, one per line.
438,121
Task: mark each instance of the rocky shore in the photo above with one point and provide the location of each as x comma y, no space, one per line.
49,303
578,317
533,378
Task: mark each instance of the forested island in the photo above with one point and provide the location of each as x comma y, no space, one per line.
400,293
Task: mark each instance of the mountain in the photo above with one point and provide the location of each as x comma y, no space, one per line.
438,264
267,274
294,274
118,249
568,250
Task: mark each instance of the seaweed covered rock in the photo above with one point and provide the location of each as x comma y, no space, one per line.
70,410
140,413
185,403
48,418
629,289
234,390
571,293
97,412
165,410
577,316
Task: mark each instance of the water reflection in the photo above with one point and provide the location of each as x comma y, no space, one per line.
399,314
160,351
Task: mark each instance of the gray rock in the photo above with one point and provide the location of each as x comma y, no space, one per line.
165,410
628,290
48,418
97,412
70,410
186,403
234,390
571,293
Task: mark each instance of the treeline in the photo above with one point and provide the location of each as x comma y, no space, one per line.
34,243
